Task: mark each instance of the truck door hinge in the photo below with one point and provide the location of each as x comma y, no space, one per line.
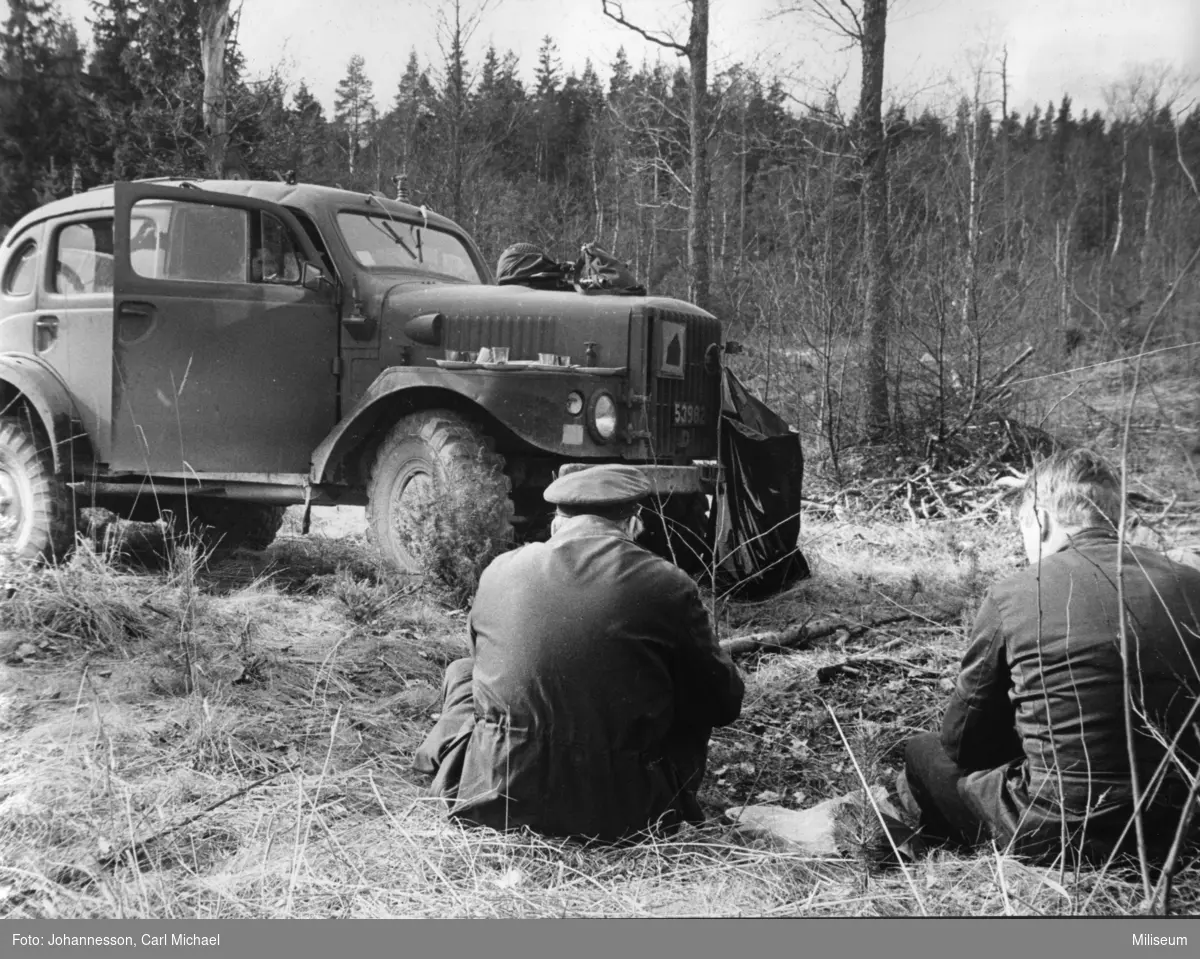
335,366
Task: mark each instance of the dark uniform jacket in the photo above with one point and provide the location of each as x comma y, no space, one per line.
597,681
1037,713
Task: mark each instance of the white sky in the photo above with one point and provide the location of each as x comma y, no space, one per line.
1054,46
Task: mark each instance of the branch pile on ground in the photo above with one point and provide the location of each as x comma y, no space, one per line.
971,474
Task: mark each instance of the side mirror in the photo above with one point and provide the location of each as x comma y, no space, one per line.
312,278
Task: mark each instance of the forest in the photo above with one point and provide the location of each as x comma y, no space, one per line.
932,288
1015,245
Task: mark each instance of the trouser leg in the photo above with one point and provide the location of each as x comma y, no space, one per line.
458,706
687,754
933,781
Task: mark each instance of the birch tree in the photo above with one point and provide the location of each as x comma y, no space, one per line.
695,49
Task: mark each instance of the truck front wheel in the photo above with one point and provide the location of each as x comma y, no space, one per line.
37,516
438,494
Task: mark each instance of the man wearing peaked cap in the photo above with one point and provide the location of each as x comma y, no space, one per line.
594,682
601,486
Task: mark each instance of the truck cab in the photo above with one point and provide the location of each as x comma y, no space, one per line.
240,346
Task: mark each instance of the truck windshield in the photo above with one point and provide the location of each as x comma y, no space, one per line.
383,243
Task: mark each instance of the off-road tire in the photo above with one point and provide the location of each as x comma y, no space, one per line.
230,524
444,448
35,503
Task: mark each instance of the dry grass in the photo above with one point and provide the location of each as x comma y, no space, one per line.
108,745
296,684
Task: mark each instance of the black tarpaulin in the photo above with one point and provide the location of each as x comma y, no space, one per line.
755,520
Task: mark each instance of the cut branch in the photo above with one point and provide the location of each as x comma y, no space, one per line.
804,634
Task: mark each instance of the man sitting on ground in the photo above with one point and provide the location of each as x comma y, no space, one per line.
594,684
1033,749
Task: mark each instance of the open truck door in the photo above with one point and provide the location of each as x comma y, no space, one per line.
223,359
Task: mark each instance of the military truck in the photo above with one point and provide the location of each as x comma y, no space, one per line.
243,346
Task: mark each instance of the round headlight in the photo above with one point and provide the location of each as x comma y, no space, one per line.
604,416
574,403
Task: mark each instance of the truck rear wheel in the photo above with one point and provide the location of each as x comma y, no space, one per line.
438,491
37,515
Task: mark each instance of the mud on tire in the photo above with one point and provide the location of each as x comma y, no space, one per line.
438,499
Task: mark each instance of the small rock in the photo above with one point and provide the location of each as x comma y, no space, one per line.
512,878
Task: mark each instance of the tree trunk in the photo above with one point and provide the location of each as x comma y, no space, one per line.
876,252
971,266
1121,191
698,224
1004,146
214,35
1148,222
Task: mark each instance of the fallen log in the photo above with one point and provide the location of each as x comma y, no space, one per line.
804,634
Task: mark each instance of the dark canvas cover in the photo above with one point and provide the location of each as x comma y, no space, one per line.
528,265
755,519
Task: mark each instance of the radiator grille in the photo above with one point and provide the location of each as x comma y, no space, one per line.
697,388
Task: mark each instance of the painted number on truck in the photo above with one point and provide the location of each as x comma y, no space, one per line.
689,414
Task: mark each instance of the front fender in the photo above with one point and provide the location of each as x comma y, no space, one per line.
529,403
51,401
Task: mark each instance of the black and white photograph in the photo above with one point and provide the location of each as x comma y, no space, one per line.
606,459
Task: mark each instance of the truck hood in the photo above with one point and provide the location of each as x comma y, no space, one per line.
421,321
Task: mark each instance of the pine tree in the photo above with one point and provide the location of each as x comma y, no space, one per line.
499,111
354,107
407,126
40,99
310,136
549,68
621,74
146,86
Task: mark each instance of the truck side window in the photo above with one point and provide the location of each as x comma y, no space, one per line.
173,240
277,255
18,279
314,237
83,258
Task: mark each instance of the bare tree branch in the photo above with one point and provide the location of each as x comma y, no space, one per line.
844,21
661,39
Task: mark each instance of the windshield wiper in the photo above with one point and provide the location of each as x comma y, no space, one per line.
386,228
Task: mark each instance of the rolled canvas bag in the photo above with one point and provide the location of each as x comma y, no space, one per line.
598,271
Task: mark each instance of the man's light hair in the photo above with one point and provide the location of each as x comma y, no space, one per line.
1077,486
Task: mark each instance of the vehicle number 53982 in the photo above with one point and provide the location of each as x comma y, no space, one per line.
689,414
